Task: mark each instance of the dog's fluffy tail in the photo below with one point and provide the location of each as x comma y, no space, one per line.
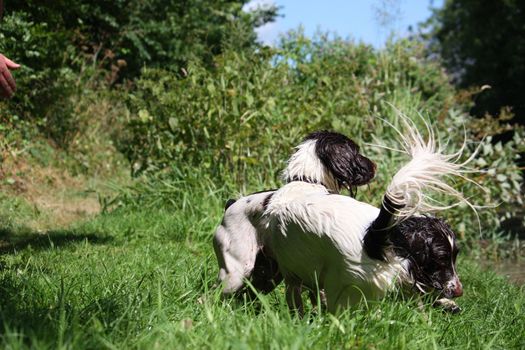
427,171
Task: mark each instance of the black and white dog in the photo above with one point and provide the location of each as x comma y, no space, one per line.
350,249
328,159
355,251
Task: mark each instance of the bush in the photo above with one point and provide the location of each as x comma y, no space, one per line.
124,35
66,47
44,84
249,111
237,124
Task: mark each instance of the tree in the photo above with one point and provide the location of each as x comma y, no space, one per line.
156,33
483,43
65,46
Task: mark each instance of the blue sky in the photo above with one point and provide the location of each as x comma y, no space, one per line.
369,21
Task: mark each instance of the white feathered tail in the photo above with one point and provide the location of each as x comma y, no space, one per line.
429,170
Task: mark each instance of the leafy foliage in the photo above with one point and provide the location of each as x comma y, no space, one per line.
44,83
213,108
66,47
154,32
250,109
237,123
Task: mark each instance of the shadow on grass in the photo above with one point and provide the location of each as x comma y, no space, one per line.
40,319
50,316
14,240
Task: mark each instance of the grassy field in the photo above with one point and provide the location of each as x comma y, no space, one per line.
146,278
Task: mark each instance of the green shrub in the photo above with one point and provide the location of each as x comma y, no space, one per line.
156,33
253,107
44,83
66,47
237,124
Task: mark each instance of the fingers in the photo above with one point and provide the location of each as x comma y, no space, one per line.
6,86
7,82
10,64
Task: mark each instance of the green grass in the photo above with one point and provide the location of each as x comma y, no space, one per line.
146,279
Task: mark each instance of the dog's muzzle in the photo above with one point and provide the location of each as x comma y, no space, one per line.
453,289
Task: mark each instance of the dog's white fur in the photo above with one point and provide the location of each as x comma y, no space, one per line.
238,239
305,163
317,240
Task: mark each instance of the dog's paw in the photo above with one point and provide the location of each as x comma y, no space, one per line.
447,305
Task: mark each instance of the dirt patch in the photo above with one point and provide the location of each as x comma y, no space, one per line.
67,209
58,197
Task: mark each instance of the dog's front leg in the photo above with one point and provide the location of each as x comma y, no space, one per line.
448,305
293,298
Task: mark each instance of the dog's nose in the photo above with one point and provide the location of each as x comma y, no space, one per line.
458,291
455,288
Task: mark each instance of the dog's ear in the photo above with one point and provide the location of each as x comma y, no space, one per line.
341,157
265,274
363,170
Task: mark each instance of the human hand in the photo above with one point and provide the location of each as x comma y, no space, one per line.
7,82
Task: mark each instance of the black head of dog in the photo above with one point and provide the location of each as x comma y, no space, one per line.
341,157
429,245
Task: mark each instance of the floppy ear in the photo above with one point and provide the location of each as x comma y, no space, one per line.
265,274
363,169
341,157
